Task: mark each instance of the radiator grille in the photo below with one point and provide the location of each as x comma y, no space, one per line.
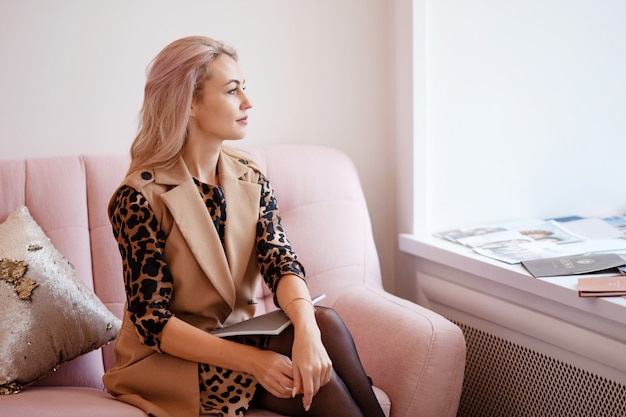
503,379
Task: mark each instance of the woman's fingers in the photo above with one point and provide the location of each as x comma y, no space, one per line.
275,374
280,386
309,381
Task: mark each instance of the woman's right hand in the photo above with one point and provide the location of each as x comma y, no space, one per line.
274,372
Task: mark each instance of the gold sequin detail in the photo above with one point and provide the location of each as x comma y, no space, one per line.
13,272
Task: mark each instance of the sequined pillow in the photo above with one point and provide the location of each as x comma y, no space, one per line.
47,314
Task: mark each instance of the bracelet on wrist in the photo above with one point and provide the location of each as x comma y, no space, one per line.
296,299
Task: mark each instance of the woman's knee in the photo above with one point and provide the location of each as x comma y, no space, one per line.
327,318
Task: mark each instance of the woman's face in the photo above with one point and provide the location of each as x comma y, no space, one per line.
220,111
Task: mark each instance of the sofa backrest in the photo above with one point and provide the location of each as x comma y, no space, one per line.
321,204
325,215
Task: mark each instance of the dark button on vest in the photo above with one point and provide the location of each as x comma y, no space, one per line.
146,175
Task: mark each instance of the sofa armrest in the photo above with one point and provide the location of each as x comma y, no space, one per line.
415,355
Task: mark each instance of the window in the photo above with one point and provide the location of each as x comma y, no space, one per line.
518,110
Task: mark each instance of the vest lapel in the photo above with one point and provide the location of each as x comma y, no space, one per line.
242,215
194,222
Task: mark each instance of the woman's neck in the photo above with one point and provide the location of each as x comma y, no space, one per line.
201,161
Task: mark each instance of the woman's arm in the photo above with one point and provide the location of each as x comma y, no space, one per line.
312,367
284,275
271,370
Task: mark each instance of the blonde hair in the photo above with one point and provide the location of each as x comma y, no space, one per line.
174,78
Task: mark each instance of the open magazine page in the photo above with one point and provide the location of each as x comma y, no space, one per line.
618,222
526,239
542,231
596,228
522,241
516,251
458,235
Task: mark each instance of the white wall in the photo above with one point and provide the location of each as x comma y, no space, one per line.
524,110
489,109
318,72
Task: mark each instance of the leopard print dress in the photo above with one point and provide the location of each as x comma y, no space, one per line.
223,392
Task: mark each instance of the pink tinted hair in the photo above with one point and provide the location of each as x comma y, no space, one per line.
174,78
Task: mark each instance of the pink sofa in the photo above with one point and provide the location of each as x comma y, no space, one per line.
415,357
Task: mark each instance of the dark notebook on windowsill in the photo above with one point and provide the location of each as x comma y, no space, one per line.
573,265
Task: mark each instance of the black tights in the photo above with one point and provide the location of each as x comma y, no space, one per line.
349,392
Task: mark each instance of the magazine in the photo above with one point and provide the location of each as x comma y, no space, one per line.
526,239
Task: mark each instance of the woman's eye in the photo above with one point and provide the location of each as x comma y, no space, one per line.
236,90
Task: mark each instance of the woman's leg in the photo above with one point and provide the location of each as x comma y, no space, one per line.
349,393
340,346
333,399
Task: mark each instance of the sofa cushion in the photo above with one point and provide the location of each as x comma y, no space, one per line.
73,402
65,402
47,314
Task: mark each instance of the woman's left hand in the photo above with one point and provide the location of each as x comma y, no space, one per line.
312,367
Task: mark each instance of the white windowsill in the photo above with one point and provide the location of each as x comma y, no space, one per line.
559,289
545,315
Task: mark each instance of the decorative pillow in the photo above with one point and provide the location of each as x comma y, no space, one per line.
47,314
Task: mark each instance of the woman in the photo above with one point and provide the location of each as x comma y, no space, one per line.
196,224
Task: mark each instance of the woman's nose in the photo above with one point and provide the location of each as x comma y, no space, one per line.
245,102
